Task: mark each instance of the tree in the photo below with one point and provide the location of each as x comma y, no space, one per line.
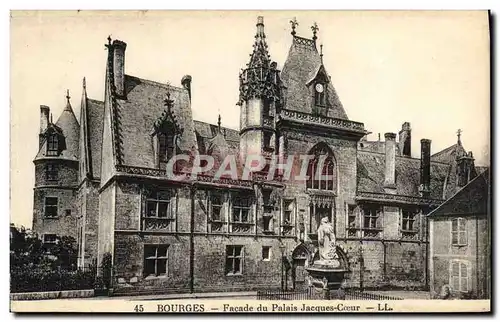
27,250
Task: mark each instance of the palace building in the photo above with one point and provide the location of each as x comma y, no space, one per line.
104,180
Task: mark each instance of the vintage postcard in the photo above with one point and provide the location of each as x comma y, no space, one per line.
250,161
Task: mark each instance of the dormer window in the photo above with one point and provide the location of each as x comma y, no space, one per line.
319,94
52,145
166,148
166,132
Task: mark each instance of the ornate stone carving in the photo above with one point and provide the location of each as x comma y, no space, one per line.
322,120
390,198
217,226
241,227
141,170
287,230
164,224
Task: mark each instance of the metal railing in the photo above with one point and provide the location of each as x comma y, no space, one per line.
358,295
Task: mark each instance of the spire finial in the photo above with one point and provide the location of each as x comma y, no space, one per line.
168,102
218,122
459,133
68,104
109,40
260,28
294,24
321,52
315,29
84,83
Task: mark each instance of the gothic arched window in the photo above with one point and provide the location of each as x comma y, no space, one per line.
321,169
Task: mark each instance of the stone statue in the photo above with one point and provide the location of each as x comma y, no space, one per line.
327,244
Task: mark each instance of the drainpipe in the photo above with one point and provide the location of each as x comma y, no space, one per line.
191,241
477,256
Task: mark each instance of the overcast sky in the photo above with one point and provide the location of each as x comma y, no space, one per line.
428,68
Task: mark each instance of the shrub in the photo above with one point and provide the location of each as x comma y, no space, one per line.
43,280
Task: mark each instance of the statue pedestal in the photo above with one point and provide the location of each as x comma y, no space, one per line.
326,279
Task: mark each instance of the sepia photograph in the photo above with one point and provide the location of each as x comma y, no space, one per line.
250,161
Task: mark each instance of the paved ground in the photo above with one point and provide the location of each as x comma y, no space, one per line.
414,295
226,295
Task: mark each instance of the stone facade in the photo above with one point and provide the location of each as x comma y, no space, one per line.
219,234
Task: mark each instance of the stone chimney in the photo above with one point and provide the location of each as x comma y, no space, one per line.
44,122
425,167
465,167
186,83
405,140
390,160
119,67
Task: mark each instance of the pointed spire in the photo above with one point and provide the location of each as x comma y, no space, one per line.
321,52
294,24
260,55
218,123
84,83
68,104
315,30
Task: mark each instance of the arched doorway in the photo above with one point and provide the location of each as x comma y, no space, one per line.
301,257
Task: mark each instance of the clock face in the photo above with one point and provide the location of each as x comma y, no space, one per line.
319,88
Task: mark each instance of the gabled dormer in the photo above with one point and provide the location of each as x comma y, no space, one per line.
318,87
166,134
308,85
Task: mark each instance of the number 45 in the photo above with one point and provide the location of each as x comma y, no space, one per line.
139,308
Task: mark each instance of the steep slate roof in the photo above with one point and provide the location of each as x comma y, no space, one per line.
213,142
371,172
449,154
472,199
95,114
68,125
138,113
207,130
301,66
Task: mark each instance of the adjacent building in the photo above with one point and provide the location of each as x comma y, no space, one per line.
113,192
460,241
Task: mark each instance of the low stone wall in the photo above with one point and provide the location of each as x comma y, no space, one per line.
51,295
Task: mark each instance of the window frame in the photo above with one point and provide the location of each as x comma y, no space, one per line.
313,182
156,259
158,201
267,138
211,196
45,242
51,172
378,226
52,206
460,278
292,203
52,145
231,257
239,197
269,253
166,146
459,233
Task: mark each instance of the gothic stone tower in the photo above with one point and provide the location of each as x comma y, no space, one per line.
56,175
260,98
